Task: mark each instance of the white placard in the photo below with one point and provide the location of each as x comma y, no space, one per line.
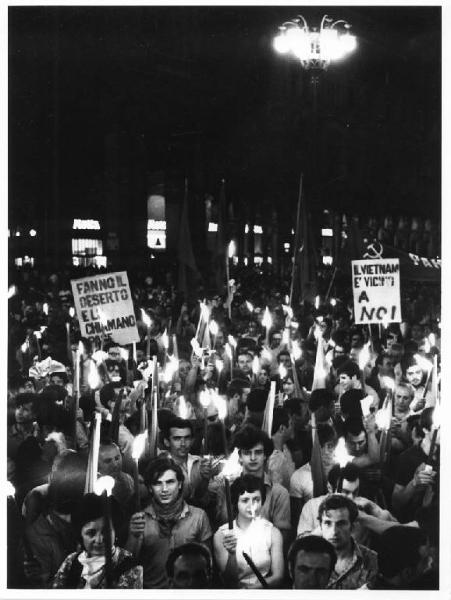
110,293
376,288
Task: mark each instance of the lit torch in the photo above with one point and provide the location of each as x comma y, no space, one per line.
232,468
37,335
148,323
94,381
12,291
104,487
342,457
214,329
249,306
139,444
267,324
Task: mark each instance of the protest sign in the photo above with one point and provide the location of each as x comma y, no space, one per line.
376,288
104,306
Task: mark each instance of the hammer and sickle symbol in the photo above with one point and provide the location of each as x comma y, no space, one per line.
374,250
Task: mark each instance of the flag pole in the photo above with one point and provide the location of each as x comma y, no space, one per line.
296,241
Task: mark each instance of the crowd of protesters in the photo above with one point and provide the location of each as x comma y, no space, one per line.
273,463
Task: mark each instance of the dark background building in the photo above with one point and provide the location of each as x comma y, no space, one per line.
109,106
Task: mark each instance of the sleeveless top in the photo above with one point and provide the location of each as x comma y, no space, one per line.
256,542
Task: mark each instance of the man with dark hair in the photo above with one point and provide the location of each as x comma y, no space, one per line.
356,564
301,482
110,463
244,362
24,425
280,465
237,393
311,560
350,378
413,476
178,439
254,448
414,374
166,522
190,566
402,558
322,404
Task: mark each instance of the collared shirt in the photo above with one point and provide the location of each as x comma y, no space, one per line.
192,526
362,569
275,509
281,467
16,436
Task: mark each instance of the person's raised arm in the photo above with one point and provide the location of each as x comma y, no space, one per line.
135,536
224,544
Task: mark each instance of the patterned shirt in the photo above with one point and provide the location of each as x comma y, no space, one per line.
192,526
362,569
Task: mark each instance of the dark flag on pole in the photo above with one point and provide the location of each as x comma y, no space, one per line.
222,242
305,260
188,275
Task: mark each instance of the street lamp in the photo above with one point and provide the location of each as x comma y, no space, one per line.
315,49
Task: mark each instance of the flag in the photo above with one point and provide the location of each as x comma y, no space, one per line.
153,441
188,275
305,259
222,242
269,409
93,458
316,463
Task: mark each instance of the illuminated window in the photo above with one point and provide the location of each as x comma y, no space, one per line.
212,227
89,224
156,222
235,260
327,232
258,260
246,228
26,260
18,262
327,260
33,232
87,247
270,260
286,246
246,261
258,229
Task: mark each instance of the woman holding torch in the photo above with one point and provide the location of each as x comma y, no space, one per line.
251,537
87,569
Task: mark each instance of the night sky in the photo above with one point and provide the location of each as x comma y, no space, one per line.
200,89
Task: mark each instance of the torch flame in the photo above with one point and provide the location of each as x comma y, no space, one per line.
219,364
427,345
232,467
221,405
317,302
249,306
267,320
231,340
213,327
204,312
139,444
383,418
43,328
205,398
93,377
81,348
231,249
228,350
256,365
145,318
196,347
266,355
287,310
388,382
341,455
425,364
182,408
436,417
333,302
99,356
165,339
364,356
12,291
104,484
10,489
71,312
297,351
286,336
282,372
124,353
37,335
432,339
172,365
45,308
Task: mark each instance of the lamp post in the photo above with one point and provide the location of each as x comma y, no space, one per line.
315,48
